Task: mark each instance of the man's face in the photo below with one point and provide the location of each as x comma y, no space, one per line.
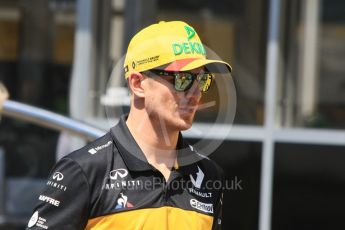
168,108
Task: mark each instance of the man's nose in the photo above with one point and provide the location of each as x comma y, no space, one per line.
194,91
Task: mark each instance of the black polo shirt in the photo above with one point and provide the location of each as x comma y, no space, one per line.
109,184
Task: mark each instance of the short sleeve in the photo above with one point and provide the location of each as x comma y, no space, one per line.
63,204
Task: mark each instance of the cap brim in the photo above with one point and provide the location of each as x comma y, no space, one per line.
214,66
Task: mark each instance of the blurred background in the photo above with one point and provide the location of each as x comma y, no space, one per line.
287,144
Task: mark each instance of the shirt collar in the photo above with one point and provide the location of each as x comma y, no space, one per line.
135,159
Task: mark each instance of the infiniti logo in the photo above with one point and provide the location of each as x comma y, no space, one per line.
57,176
118,172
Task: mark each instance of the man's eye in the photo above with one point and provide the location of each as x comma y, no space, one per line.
169,79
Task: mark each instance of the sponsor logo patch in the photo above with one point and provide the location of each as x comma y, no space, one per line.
201,194
116,180
33,219
49,200
58,176
199,178
118,173
190,32
188,48
145,61
197,182
129,184
208,208
56,185
98,148
122,202
38,221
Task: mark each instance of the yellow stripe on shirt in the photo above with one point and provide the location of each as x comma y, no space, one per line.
163,218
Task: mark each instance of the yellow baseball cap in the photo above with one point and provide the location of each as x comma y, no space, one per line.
169,46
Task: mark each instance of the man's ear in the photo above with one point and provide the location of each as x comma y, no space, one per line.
135,84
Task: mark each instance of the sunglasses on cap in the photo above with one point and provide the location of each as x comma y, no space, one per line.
183,80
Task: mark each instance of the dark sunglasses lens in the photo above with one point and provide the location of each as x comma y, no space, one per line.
183,81
205,82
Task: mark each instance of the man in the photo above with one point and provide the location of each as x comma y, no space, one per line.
143,174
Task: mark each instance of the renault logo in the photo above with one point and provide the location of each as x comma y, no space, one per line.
118,173
199,178
57,176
